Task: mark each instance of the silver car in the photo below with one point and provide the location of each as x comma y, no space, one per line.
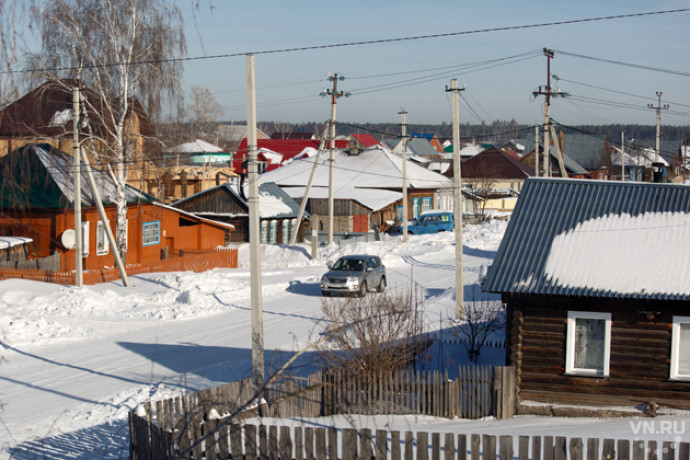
354,274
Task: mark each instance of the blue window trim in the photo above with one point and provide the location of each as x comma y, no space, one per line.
144,227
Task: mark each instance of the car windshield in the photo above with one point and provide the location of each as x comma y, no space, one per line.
348,265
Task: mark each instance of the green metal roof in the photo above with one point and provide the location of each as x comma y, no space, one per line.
40,176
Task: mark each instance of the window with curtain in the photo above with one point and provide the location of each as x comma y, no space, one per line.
102,244
588,343
264,232
274,230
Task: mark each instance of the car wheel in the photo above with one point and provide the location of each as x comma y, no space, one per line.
382,285
363,288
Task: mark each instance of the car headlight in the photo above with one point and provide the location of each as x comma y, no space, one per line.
353,280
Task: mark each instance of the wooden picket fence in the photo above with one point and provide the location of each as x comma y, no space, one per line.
178,424
219,439
196,260
340,391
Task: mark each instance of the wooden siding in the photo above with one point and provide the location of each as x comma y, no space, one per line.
639,356
218,201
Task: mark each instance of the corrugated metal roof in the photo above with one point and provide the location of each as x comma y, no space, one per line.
566,226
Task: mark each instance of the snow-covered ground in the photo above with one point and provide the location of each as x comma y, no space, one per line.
76,360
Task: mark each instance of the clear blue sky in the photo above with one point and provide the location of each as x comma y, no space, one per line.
379,75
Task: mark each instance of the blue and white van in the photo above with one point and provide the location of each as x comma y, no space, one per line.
432,222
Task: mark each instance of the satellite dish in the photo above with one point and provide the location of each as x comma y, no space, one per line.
67,239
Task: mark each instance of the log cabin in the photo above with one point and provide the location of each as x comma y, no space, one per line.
594,276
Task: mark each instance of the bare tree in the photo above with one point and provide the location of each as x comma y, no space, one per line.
205,112
375,334
483,318
123,51
9,40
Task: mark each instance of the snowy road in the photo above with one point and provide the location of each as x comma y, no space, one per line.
75,361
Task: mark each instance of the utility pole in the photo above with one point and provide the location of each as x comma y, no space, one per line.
335,94
536,150
622,156
76,157
258,377
403,112
457,201
547,120
658,109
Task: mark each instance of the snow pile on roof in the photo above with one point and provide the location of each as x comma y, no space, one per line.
628,254
373,199
372,168
60,118
195,146
637,157
270,205
271,156
12,241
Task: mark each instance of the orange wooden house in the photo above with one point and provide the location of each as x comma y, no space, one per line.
36,201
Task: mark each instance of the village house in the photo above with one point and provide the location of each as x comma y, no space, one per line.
226,203
44,115
37,199
594,276
373,171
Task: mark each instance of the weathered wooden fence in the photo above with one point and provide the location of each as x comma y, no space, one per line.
478,391
195,260
223,440
181,422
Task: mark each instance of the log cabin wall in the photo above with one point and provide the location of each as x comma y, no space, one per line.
640,352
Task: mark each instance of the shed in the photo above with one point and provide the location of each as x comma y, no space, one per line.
594,275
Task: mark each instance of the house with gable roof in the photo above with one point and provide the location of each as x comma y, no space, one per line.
229,203
44,115
594,276
37,201
376,172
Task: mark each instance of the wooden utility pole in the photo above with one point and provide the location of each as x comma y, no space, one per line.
334,99
457,201
403,112
76,148
536,150
258,378
658,109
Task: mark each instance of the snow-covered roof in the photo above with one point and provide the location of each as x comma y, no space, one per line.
195,146
374,199
12,241
372,168
643,157
603,239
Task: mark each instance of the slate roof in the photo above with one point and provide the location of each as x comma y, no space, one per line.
495,164
40,176
372,168
588,238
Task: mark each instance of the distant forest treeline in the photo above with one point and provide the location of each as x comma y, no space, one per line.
495,132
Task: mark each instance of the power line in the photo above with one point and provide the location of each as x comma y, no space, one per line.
381,41
627,64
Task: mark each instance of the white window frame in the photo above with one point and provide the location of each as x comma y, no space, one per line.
147,233
286,230
675,347
570,344
264,231
102,243
85,239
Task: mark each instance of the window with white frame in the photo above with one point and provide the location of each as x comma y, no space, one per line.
85,239
151,233
680,348
588,343
286,231
273,230
264,231
426,203
293,227
102,244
